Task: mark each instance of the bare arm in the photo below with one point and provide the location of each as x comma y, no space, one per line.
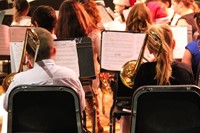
187,57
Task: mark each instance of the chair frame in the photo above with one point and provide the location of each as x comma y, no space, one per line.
157,88
32,88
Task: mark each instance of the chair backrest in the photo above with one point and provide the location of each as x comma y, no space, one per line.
166,109
44,109
197,81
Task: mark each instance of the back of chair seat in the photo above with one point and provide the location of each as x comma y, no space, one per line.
166,109
49,109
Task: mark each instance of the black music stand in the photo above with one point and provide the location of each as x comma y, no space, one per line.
87,72
115,46
86,69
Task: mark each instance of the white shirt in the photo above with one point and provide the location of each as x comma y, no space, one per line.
24,21
61,76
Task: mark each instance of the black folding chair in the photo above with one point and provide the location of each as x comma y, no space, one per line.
166,109
44,109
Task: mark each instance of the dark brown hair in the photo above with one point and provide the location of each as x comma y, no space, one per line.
73,21
139,18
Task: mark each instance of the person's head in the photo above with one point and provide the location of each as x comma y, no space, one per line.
139,18
91,8
21,8
45,17
73,21
160,43
181,5
46,45
197,21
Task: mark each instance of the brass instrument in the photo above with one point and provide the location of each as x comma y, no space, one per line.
130,68
31,42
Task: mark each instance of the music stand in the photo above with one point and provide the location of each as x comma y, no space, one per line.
117,48
86,69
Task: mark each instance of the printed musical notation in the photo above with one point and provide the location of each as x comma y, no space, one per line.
15,55
119,47
66,54
180,35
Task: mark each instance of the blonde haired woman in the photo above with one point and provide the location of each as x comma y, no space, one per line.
164,70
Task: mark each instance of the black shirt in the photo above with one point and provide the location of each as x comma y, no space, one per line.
181,74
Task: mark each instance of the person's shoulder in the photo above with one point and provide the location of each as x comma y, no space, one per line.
95,32
181,66
24,21
64,72
147,66
193,44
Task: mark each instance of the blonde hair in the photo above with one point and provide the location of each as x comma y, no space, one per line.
160,41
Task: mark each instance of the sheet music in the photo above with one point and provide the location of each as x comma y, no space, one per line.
4,40
17,33
15,55
66,54
180,36
119,47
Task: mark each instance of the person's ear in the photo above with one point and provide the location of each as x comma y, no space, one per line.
54,51
173,44
36,24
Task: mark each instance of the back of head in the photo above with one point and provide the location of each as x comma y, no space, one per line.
46,43
139,18
197,20
187,3
45,17
73,20
160,42
91,8
20,7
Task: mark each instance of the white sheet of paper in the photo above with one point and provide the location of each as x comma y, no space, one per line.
66,54
15,55
180,36
119,47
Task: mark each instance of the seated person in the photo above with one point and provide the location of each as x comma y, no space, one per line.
164,70
45,71
45,17
192,50
21,9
